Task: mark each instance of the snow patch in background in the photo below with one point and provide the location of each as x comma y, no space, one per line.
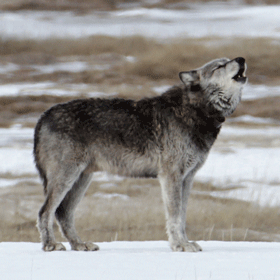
250,92
198,21
111,195
48,88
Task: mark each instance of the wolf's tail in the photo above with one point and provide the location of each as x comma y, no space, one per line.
36,151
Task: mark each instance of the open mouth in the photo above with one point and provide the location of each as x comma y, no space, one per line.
239,77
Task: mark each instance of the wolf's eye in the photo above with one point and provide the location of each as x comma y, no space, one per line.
218,67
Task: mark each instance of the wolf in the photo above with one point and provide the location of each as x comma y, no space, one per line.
167,136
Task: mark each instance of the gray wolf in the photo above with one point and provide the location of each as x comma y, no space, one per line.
167,136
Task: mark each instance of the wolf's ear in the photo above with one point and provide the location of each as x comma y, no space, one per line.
189,78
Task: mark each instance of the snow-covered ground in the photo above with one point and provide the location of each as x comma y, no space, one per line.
143,260
217,19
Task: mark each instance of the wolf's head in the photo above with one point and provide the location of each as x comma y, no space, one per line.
219,83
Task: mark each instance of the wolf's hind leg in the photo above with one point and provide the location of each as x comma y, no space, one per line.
56,190
45,219
65,214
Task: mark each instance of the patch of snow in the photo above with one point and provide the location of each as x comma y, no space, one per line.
8,182
111,195
4,183
260,193
131,59
252,92
10,67
231,130
74,66
198,21
253,120
16,161
249,164
22,88
16,137
123,260
161,89
48,88
104,176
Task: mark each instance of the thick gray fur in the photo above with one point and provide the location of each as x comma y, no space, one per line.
167,136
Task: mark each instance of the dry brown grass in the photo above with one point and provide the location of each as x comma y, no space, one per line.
138,214
85,46
165,61
12,108
58,5
154,60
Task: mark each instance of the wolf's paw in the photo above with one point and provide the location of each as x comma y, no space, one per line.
85,246
54,247
186,247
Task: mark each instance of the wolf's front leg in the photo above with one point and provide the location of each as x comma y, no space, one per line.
175,193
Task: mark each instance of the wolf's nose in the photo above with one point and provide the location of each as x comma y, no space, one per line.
240,60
